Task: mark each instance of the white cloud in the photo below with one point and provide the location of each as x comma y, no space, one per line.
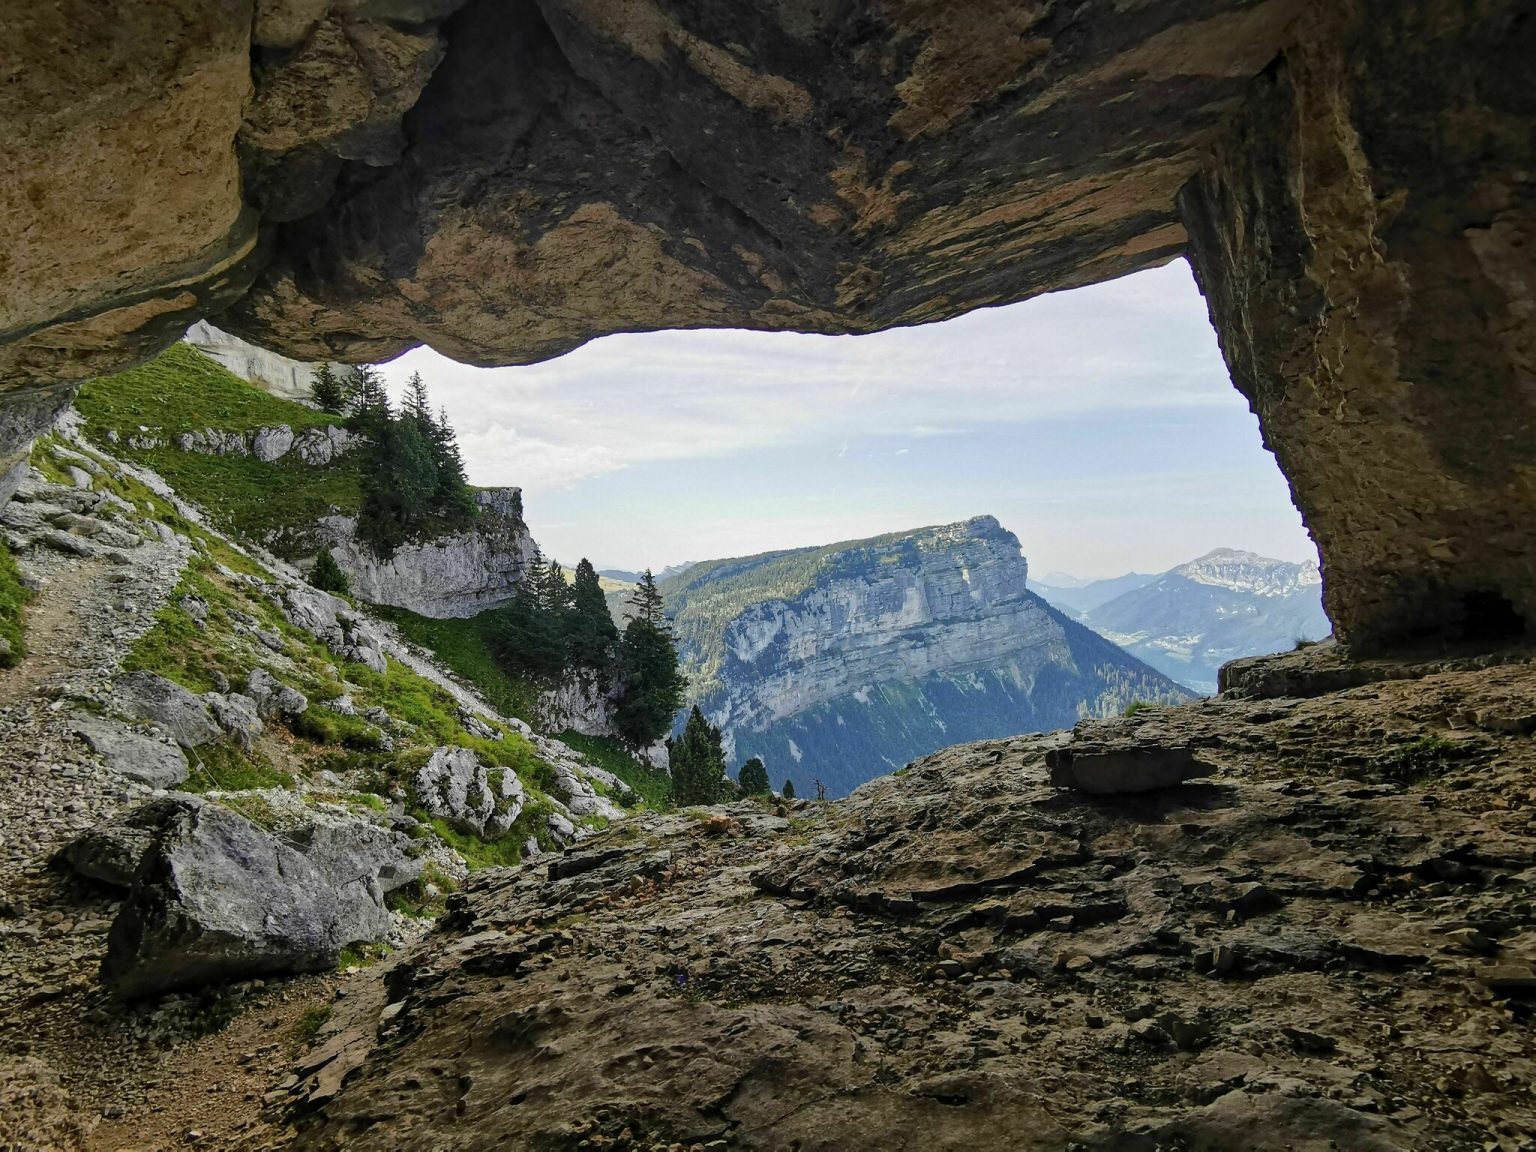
632,399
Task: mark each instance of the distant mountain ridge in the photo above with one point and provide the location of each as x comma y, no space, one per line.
1226,604
1081,596
847,661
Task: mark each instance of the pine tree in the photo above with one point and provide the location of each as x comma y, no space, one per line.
788,791
592,634
653,683
326,575
753,777
327,391
454,500
697,762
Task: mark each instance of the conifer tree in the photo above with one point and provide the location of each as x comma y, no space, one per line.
455,501
753,777
788,791
591,635
370,402
697,762
653,683
645,602
326,575
327,391
416,405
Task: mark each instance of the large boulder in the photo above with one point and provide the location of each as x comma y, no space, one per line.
332,621
236,714
272,696
146,696
454,786
158,763
212,896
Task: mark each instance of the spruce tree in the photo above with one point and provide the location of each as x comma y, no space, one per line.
788,791
326,575
591,635
753,777
371,412
697,762
327,391
416,406
645,602
653,683
454,500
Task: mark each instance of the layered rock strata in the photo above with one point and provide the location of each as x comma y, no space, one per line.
460,574
842,662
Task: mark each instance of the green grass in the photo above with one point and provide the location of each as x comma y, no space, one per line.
1136,706
460,644
228,768
504,851
14,596
181,390
654,788
309,1023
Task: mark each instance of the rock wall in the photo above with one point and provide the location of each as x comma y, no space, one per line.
900,646
1364,242
456,575
279,375
336,179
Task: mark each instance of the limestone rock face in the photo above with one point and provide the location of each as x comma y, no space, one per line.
453,575
279,375
1362,239
504,179
841,662
454,786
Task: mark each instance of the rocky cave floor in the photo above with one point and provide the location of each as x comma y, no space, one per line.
1328,943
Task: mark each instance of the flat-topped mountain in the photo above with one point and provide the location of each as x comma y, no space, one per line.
1192,619
844,662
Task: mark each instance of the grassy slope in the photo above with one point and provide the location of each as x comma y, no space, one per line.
181,390
460,644
13,596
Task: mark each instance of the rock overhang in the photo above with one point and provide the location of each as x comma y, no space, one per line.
343,179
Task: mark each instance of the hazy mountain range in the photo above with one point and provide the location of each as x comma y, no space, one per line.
1192,619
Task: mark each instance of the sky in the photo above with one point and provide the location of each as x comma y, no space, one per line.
1099,425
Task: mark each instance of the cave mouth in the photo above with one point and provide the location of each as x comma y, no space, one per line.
1099,424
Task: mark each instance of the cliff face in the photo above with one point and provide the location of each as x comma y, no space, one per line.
845,662
460,574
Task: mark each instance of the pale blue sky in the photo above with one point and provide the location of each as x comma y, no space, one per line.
1099,425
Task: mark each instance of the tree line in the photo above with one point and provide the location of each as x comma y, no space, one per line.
554,627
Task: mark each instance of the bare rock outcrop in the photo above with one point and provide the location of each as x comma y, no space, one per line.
457,574
1326,944
211,896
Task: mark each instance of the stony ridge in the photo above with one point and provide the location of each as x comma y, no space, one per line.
1325,945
